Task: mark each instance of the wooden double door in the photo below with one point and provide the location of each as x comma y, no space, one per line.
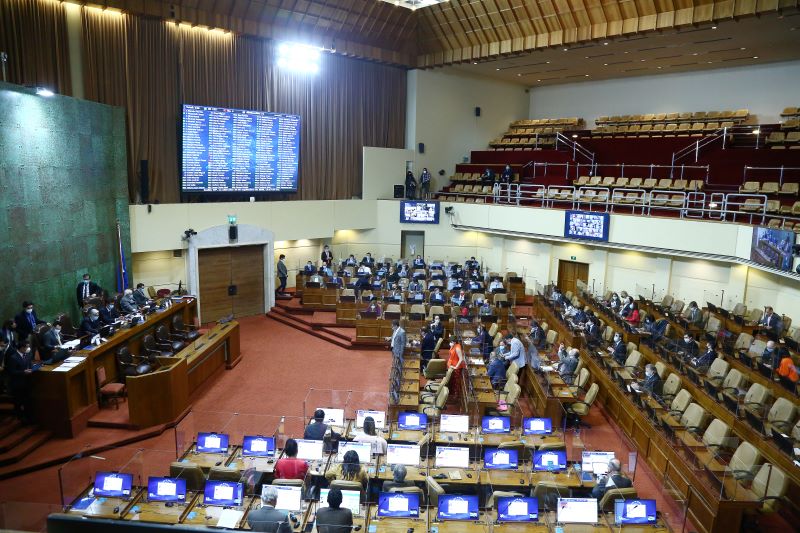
231,282
569,272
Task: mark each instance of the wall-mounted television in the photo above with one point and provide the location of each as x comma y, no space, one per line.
237,150
412,212
772,248
586,225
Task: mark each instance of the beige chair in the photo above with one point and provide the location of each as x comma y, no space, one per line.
694,418
733,381
434,491
717,435
770,485
436,408
633,361
432,387
493,329
681,401
757,395
781,415
717,371
437,368
490,503
671,387
192,473
743,342
548,493
413,490
661,369
581,408
744,462
607,501
288,482
551,338
667,300
580,383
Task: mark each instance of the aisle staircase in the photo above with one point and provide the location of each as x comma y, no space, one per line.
17,440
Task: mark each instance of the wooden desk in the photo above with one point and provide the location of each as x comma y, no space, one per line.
101,507
416,474
519,479
404,435
544,403
159,512
565,335
373,330
208,515
397,525
320,298
206,460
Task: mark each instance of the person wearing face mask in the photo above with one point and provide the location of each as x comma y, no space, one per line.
437,328
693,315
109,313
139,295
127,303
425,184
561,353
484,341
618,349
614,302
515,351
496,370
705,360
327,256
770,355
92,324
27,321
627,307
19,367
427,346
87,289
633,315
52,349
456,361
688,347
436,297
652,382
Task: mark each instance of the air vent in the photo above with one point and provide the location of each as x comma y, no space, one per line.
713,40
620,62
653,48
668,57
556,70
634,69
177,253
684,64
601,55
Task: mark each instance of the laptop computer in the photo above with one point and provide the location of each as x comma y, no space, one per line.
497,459
576,511
411,421
515,509
634,512
212,443
289,498
550,460
398,505
458,507
166,489
496,424
257,446
223,493
113,484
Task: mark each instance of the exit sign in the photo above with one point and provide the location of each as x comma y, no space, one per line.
573,257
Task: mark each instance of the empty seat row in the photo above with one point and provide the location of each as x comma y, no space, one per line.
769,187
522,142
543,131
472,189
791,124
567,121
661,129
640,183
471,177
469,200
780,139
789,112
738,115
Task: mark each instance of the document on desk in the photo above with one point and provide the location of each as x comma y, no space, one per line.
455,474
62,368
72,344
74,359
229,518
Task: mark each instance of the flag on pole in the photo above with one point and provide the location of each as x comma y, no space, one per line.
122,271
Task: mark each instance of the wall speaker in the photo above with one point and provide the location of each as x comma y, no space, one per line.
144,181
421,148
477,111
233,232
399,191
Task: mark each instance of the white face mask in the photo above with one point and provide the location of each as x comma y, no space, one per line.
616,338
29,311
649,373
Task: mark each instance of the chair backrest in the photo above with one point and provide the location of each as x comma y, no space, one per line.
672,385
493,329
607,502
783,411
434,491
633,360
289,482
755,315
513,394
583,378
415,490
100,375
490,502
192,473
441,397
733,380
770,482
718,369
757,394
694,417
343,484
552,337
743,341
739,309
548,493
667,300
630,347
222,473
513,370
661,369
681,401
717,434
591,394
745,459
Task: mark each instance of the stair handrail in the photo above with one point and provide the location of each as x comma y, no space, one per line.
577,148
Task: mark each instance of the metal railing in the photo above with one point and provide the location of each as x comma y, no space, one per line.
724,135
653,170
534,165
577,149
781,171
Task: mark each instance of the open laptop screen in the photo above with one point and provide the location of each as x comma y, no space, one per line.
513,509
537,426
634,512
256,446
310,450
363,449
496,424
166,489
289,498
496,459
113,484
223,493
212,442
378,416
458,507
398,505
454,424
577,511
402,454
412,421
452,457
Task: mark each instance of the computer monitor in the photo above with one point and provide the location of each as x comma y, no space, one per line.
166,489
496,424
363,449
452,457
212,442
310,450
398,505
593,460
351,499
289,498
334,417
402,454
634,512
537,426
458,507
257,446
113,484
497,459
378,416
454,423
577,511
551,460
223,493
412,421
515,509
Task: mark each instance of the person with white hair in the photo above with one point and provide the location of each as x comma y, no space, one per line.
127,303
613,480
267,518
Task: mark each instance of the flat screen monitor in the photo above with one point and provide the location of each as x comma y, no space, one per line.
454,424
514,509
237,150
496,424
333,417
772,248
223,493
398,505
419,212
576,511
402,454
412,421
257,446
496,459
378,416
452,457
113,484
596,462
212,442
310,450
550,460
289,498
583,225
634,512
166,489
537,426
458,507
351,499
363,449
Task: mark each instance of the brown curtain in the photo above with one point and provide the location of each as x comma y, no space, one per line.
152,67
34,35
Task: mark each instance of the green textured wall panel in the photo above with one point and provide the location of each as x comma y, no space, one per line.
63,186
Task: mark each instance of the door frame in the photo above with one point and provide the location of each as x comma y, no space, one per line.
572,262
403,234
217,237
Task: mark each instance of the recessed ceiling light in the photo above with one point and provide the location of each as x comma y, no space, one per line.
642,60
755,57
694,54
497,69
474,62
742,48
586,75
538,80
565,49
519,74
713,27
605,64
709,62
605,43
547,62
659,68
586,57
625,52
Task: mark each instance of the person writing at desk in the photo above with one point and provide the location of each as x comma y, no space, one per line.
618,350
368,434
267,518
52,344
109,314
334,518
289,466
688,347
348,470
613,480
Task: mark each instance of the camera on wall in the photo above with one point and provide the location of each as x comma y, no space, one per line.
188,234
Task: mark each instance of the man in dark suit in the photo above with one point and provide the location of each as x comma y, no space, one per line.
9,333
613,480
128,303
368,260
437,328
333,518
267,518
592,332
26,321
91,323
139,295
327,256
770,321
618,350
19,367
52,344
688,347
652,381
109,313
87,289
427,346
316,430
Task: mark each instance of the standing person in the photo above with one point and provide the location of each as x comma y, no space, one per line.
516,351
87,289
397,342
456,361
19,367
326,256
411,185
27,321
427,346
425,183
283,274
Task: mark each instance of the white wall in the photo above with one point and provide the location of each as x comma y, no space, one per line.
764,89
441,114
382,169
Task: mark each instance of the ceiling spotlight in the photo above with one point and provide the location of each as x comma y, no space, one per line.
742,48
519,74
605,64
497,69
605,43
44,91
538,80
694,54
574,136
713,27
586,75
642,60
755,57
474,62
659,68
547,62
565,49
709,62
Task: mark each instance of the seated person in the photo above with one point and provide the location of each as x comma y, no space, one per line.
496,370
403,271
633,314
618,349
507,176
495,285
592,332
348,470
393,276
561,353
128,303
688,347
614,479
567,367
627,307
485,309
316,430
374,307
569,311
52,347
474,285
615,303
396,296
453,283
693,315
108,314
368,260
325,270
488,176
336,281
415,286
91,324
787,369
419,262
771,322
770,354
364,271
471,264
289,466
318,279
483,341
464,315
458,298
368,434
556,297
334,518
267,518
399,473
309,269
651,383
436,297
705,360
139,295
351,261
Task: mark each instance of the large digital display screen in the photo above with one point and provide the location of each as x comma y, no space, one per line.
583,225
236,150
419,212
772,248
